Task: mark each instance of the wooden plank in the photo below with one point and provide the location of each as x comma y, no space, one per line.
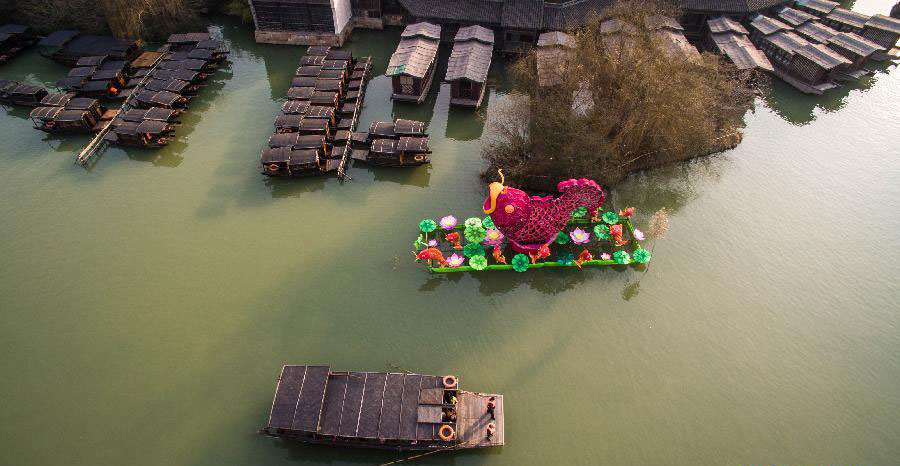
285,402
333,405
474,419
431,396
312,395
389,427
352,404
408,406
370,415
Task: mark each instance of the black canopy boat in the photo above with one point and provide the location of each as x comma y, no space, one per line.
165,99
172,85
193,77
61,120
148,133
67,47
16,93
300,142
402,152
87,104
155,113
286,161
295,107
57,99
13,39
397,129
397,411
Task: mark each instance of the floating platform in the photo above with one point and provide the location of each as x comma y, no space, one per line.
455,249
396,411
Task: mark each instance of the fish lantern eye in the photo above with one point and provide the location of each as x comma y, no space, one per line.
510,209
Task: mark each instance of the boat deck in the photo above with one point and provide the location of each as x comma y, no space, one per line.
475,419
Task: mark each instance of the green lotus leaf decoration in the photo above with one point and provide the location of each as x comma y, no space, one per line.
478,262
427,226
610,217
621,257
419,243
475,234
487,223
565,258
520,262
562,238
579,213
473,249
601,231
641,256
473,222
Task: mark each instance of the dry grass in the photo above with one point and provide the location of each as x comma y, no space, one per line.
132,19
619,107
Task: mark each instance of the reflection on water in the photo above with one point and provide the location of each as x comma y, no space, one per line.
801,109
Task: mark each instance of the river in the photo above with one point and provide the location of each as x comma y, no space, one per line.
149,303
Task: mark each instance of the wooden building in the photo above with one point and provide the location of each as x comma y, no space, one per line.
467,68
302,22
412,65
696,13
397,411
728,38
884,31
808,66
854,48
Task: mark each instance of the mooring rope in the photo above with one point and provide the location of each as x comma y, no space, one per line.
451,447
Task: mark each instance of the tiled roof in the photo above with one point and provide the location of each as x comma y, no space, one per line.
794,17
768,26
471,60
413,57
854,43
738,48
787,41
822,55
849,17
479,33
556,38
662,22
573,14
816,31
729,6
885,23
725,24
822,6
522,14
480,11
427,30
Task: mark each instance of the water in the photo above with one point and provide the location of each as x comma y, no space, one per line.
148,304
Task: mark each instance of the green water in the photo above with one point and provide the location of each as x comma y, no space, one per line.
148,304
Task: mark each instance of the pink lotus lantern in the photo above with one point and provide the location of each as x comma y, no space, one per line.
455,260
448,223
493,237
580,236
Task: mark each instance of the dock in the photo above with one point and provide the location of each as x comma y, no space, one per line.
386,410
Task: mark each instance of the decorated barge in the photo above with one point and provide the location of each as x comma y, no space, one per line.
396,411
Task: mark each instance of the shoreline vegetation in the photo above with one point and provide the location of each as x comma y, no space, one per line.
621,101
151,20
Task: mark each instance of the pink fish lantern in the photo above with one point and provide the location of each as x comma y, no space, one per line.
580,236
493,237
455,260
448,223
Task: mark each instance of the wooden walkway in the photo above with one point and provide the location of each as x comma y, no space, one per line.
342,168
472,430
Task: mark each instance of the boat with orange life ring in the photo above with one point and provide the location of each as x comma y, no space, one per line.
272,167
450,381
446,433
384,410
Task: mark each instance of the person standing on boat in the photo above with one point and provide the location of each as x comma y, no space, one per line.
490,407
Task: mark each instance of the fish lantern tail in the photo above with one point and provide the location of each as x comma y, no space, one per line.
581,193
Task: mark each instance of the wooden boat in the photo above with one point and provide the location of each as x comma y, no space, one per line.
172,85
401,152
57,99
285,161
467,68
156,113
148,133
87,104
60,120
396,411
192,77
146,99
297,141
67,47
295,107
399,128
16,93
412,65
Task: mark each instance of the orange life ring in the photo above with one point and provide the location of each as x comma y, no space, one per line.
50,124
419,158
450,381
113,90
273,167
446,433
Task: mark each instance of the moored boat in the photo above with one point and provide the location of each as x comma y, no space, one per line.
396,411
